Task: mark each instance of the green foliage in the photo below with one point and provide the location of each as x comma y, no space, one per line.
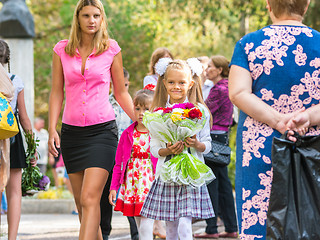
188,28
30,175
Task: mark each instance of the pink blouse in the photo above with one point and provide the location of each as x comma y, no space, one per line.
87,96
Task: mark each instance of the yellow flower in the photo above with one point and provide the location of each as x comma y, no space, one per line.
186,113
176,116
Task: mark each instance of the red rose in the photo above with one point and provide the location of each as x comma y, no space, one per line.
167,110
195,113
136,175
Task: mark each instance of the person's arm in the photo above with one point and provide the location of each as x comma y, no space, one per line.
119,90
202,141
23,116
55,103
240,93
25,120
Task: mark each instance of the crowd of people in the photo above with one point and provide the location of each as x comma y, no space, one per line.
113,162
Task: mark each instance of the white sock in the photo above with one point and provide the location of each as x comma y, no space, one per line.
185,228
172,230
145,228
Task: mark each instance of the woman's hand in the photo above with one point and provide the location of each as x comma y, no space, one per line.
284,120
175,148
112,197
53,143
299,123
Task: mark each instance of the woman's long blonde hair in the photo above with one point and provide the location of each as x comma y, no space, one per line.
101,38
161,94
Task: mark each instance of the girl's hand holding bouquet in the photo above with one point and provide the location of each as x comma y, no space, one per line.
177,126
33,180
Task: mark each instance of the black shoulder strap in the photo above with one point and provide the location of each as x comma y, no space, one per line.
12,77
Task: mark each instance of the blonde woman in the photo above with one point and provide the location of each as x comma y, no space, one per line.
83,67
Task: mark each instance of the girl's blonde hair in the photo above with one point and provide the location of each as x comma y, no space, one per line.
143,97
101,37
156,55
288,7
194,93
221,62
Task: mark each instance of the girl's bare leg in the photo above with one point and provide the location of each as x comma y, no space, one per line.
14,196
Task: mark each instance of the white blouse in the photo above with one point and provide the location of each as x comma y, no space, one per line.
203,136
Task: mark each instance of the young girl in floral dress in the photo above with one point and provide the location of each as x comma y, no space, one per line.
134,170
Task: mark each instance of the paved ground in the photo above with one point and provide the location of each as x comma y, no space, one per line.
65,227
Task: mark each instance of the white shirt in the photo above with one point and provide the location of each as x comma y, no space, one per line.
18,87
150,79
208,84
42,149
203,136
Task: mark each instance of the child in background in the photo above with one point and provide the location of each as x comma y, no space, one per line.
134,168
123,122
152,76
173,203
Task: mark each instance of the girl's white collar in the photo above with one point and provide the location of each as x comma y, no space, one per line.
168,104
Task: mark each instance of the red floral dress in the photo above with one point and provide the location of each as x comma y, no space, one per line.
138,178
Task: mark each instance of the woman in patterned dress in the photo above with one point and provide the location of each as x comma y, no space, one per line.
274,76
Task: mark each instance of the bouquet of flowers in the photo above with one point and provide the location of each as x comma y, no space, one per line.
33,180
174,124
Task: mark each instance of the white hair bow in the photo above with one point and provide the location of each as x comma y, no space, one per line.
161,65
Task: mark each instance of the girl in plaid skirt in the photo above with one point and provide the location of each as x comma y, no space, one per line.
177,204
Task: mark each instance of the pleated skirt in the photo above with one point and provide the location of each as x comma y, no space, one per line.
170,201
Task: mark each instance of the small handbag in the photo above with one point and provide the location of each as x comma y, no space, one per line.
8,122
219,154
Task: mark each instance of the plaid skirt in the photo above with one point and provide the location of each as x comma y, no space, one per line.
170,201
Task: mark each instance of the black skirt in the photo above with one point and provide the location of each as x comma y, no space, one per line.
90,146
17,152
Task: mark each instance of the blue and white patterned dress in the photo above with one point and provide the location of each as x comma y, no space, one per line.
284,63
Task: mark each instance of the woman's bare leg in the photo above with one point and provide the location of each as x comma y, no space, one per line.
87,199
